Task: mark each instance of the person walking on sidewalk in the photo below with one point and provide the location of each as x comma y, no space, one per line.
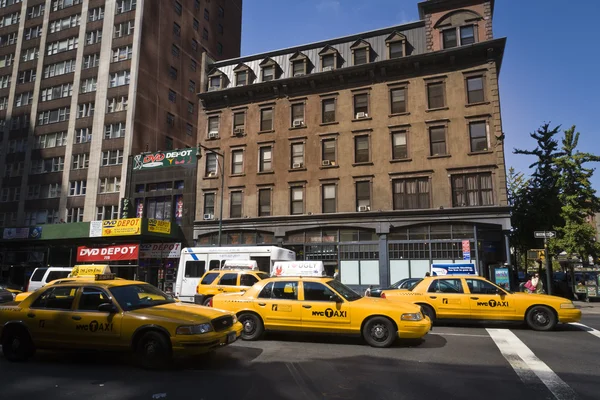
535,285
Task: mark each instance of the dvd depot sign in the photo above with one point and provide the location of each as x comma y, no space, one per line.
109,253
160,250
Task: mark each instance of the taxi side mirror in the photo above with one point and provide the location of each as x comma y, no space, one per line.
336,298
500,292
107,307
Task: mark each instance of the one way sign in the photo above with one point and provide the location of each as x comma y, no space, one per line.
544,234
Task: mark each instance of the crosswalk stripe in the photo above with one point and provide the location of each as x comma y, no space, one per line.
524,361
586,328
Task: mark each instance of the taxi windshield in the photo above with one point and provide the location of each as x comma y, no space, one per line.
134,297
344,290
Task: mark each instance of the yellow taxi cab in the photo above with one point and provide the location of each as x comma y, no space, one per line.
103,313
225,281
475,298
321,305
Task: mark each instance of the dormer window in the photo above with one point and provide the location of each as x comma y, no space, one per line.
241,78
268,73
299,68
328,58
396,44
215,82
300,64
396,50
360,52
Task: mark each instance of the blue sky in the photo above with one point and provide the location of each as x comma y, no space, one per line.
550,72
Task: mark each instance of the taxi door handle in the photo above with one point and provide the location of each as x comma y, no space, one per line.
76,317
220,289
262,304
433,297
474,298
307,306
31,315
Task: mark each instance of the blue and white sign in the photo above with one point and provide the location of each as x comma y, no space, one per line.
466,255
453,269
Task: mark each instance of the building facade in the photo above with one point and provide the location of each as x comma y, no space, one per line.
379,153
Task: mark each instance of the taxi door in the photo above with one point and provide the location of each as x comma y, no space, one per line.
46,317
229,283
279,307
489,302
90,327
448,297
321,312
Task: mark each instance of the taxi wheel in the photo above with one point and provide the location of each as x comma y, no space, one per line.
153,350
428,311
17,345
252,325
379,332
541,318
206,302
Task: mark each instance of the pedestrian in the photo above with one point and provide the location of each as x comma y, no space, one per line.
368,291
427,274
535,285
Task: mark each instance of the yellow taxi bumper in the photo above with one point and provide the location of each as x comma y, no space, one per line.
190,345
569,315
414,329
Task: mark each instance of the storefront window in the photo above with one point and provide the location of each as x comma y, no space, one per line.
441,231
418,233
348,235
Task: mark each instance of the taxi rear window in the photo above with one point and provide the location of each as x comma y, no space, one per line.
209,278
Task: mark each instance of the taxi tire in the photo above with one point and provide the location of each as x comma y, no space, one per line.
379,323
258,325
26,347
206,302
428,311
541,311
156,343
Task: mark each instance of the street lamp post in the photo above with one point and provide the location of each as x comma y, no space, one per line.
222,172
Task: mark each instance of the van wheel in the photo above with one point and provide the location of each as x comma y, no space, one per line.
379,332
206,302
541,318
17,345
252,325
153,350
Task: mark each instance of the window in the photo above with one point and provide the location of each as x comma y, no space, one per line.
194,45
297,114
4,81
176,29
449,38
23,99
96,14
361,105
264,202
178,8
123,29
36,11
40,217
61,68
265,159
26,76
467,35
247,280
297,150
435,95
17,146
110,185
91,61
81,161
213,126
9,39
398,100
83,135
122,53
266,119
205,34
235,206
3,103
60,4
175,51
112,157
91,298
190,107
85,110
215,82
437,140
50,140
75,215
77,188
396,49
329,198
361,56
328,61
472,190
107,212
229,279
116,104
173,72
10,194
125,6
193,65
314,291
115,130
328,152
478,136
477,286
241,78
363,195
172,96
239,120
298,68
119,78
196,24
268,73
192,86
412,193
219,48
297,200
170,119
328,111
446,286
209,203
59,298
93,37
237,162
220,28
10,19
196,4
206,15
88,85
211,165
32,33
53,116
399,146
464,36
221,12
361,149
189,129
29,54
6,60
475,90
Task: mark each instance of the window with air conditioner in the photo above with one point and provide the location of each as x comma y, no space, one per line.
213,127
297,159
239,122
211,169
363,196
297,115
328,150
361,105
209,205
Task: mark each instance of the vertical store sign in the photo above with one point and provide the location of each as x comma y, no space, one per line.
466,248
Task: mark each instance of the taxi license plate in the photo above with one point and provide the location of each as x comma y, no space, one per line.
231,337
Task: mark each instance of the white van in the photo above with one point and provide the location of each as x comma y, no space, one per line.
41,276
195,261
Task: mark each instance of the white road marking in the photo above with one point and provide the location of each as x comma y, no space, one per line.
524,361
586,328
458,334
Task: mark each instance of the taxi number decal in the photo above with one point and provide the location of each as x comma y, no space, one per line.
281,307
330,313
493,303
450,301
94,326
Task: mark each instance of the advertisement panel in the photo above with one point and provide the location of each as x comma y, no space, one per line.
22,233
122,227
159,226
501,278
108,253
162,159
453,269
160,250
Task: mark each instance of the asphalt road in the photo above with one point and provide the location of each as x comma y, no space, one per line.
453,362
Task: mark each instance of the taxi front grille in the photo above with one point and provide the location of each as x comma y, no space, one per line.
222,323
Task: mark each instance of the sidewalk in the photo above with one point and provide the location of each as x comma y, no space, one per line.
592,307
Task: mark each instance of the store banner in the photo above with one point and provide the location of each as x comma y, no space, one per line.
22,233
122,227
164,159
158,226
108,253
160,250
126,208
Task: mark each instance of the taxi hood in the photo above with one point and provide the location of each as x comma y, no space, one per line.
386,304
187,313
542,298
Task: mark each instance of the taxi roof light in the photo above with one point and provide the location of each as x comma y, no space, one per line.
105,277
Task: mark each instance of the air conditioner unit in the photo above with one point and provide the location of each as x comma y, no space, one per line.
297,165
298,122
361,115
364,208
326,163
213,88
212,174
209,216
238,131
213,135
299,74
326,69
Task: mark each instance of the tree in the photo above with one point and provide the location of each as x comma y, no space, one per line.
516,183
578,200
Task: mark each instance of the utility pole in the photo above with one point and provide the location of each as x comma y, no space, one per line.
546,235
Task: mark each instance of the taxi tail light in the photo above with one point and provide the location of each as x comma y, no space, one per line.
383,295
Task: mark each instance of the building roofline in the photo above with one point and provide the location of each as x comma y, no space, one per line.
306,46
446,3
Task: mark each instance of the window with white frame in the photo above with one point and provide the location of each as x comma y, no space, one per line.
10,194
36,11
237,162
125,6
83,135
9,39
77,188
85,110
60,68
107,212
110,185
7,3
50,140
74,215
33,32
116,104
213,126
55,164
119,78
112,157
91,61
23,99
65,23
26,76
53,116
10,19
96,14
4,81
62,45
297,155
113,131
265,157
6,60
122,53
93,37
80,161
211,165
41,217
3,103
88,85
57,92
30,54
123,29
60,4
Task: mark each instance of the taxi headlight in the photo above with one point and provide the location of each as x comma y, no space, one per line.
194,329
567,305
412,317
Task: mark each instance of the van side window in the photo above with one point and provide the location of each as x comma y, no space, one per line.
54,275
214,264
248,280
38,275
229,279
194,269
266,292
209,278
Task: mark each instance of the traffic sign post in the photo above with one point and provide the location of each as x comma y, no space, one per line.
546,235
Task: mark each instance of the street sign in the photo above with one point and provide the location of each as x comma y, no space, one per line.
544,234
